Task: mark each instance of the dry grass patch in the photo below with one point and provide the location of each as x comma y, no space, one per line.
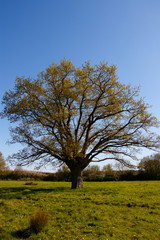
38,221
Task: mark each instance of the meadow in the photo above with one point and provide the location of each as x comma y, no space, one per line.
101,210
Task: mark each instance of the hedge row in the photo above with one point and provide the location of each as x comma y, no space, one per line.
91,174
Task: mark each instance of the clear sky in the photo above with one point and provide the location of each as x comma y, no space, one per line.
34,33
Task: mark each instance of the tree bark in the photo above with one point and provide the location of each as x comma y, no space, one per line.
77,179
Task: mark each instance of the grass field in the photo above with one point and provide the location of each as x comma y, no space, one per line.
107,210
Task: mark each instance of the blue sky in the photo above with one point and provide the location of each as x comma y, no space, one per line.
34,33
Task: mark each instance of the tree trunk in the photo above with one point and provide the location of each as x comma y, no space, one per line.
77,180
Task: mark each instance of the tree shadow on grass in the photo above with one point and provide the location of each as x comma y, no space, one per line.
19,192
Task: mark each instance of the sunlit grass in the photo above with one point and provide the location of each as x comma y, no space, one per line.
106,210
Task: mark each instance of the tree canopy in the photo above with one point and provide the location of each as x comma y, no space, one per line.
151,166
76,116
2,163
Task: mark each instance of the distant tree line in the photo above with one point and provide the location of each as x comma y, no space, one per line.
148,169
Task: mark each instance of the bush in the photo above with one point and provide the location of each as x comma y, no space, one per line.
38,221
50,177
92,173
5,175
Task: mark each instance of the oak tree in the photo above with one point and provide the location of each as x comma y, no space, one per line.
77,116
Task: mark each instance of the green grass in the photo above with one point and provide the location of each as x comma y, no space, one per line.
107,210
